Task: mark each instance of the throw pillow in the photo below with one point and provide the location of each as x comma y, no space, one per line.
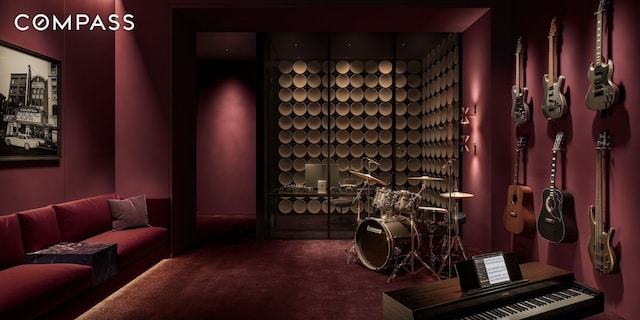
129,213
39,228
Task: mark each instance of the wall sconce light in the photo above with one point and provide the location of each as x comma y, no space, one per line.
466,116
464,142
465,120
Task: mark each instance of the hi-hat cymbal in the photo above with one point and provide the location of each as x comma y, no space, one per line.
425,178
368,177
456,195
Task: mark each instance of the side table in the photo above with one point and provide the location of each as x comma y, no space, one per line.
103,257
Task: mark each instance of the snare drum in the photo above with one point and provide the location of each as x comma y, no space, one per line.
405,200
434,214
383,199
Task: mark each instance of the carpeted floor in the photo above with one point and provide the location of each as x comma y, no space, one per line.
231,276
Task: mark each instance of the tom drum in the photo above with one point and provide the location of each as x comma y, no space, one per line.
383,199
405,200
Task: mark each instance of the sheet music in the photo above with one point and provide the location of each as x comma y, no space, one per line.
496,269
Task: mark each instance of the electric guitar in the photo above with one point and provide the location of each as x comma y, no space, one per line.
602,255
518,213
553,224
603,93
554,105
519,108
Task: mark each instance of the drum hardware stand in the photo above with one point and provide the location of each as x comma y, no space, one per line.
450,238
413,254
432,227
452,241
368,178
351,250
369,204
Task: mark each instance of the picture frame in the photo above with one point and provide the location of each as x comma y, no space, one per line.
30,105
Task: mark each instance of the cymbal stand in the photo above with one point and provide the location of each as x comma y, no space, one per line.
413,254
351,251
369,204
452,242
449,238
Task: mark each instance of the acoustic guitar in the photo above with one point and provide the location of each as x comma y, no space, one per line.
519,107
602,255
553,223
518,213
603,93
554,104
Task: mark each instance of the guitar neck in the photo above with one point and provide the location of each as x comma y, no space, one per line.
517,168
599,38
551,77
517,73
598,207
553,169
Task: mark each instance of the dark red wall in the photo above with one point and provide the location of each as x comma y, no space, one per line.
226,137
577,165
142,105
87,118
129,115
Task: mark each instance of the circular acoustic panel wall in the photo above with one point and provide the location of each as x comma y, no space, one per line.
348,109
440,120
357,108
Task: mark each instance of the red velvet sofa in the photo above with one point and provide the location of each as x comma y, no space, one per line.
65,290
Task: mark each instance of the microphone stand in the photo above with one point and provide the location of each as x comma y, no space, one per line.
449,164
368,166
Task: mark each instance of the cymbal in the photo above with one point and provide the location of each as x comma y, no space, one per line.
425,178
433,209
456,195
368,177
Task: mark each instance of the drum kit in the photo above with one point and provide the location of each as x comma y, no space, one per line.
393,239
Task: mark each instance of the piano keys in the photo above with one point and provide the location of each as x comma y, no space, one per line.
549,293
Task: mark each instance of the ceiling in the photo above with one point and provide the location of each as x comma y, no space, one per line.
230,33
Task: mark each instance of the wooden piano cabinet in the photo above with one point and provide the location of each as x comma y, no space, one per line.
440,298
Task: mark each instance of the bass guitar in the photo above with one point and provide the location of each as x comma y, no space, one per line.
519,107
603,93
553,223
518,213
554,104
602,255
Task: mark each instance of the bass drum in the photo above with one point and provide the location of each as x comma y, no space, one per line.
379,242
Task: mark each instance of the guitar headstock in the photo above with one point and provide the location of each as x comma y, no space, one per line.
604,141
553,29
522,143
559,142
602,7
519,46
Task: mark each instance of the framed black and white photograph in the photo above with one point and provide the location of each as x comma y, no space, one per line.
29,105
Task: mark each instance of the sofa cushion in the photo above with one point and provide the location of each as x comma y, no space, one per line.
31,290
129,213
39,228
133,244
12,252
80,219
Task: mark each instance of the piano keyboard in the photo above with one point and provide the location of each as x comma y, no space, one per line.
535,306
